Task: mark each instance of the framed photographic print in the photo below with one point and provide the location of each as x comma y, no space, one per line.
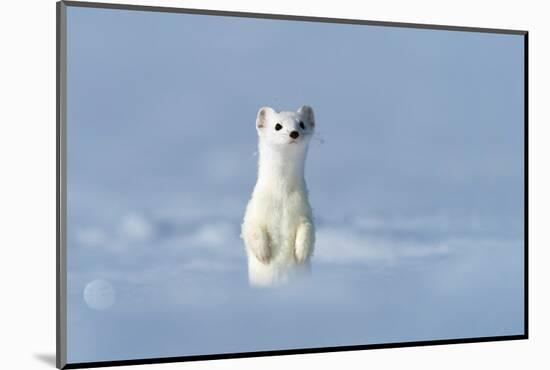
237,184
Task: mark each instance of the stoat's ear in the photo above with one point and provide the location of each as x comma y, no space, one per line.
306,112
263,116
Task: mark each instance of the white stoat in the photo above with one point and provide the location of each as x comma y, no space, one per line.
278,229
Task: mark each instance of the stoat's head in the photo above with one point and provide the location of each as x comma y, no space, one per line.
281,129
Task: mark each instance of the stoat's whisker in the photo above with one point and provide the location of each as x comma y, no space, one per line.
317,137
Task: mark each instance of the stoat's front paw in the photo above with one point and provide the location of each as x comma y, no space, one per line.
258,243
305,240
301,254
263,252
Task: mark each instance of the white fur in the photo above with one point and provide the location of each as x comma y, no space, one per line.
278,229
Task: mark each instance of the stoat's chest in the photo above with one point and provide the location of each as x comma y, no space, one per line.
281,206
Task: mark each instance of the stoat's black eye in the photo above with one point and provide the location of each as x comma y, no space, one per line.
302,125
278,126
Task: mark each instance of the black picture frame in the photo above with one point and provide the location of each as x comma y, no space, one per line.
61,187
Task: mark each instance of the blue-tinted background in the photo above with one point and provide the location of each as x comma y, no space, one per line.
415,177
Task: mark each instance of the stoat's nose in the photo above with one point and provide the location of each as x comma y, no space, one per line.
294,134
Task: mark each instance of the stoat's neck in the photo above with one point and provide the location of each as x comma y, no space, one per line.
281,166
